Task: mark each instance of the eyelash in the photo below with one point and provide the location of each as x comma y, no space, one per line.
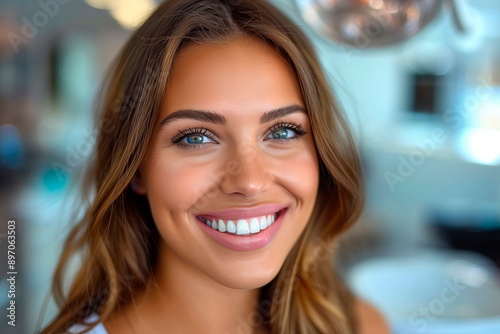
298,128
184,133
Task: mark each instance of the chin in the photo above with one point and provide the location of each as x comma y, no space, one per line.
246,279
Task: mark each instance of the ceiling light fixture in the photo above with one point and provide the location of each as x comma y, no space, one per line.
373,23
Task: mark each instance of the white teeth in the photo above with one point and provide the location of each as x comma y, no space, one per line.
222,226
263,223
254,225
242,227
231,227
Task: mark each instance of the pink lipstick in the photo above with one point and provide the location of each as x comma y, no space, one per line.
243,229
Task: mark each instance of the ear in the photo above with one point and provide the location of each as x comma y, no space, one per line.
137,185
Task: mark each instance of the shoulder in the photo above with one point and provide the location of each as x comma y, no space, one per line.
371,321
79,328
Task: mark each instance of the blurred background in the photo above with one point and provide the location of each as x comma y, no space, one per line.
420,86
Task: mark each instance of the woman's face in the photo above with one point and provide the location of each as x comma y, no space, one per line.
231,173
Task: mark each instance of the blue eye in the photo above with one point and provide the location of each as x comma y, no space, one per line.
285,131
281,133
196,139
193,138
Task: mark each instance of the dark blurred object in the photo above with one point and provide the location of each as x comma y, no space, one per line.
425,93
434,78
477,231
373,23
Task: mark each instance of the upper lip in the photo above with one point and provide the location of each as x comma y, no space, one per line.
244,212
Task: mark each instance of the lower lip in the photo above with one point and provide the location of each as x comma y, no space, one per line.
247,242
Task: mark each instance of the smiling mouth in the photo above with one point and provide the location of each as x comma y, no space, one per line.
245,226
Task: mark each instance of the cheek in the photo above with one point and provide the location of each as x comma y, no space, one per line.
175,184
299,175
306,171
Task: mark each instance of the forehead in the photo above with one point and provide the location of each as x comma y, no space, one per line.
242,73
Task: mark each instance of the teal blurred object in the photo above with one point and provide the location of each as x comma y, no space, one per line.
54,181
11,147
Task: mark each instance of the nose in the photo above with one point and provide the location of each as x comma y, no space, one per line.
248,174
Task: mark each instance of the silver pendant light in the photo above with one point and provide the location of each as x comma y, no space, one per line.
372,23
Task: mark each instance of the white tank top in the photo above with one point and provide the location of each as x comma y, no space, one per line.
99,329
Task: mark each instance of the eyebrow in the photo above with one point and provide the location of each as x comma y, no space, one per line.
214,118
281,112
198,115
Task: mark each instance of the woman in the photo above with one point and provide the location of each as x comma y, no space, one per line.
223,175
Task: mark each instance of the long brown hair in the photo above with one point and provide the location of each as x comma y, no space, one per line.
117,239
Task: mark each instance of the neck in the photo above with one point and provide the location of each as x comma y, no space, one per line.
181,299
